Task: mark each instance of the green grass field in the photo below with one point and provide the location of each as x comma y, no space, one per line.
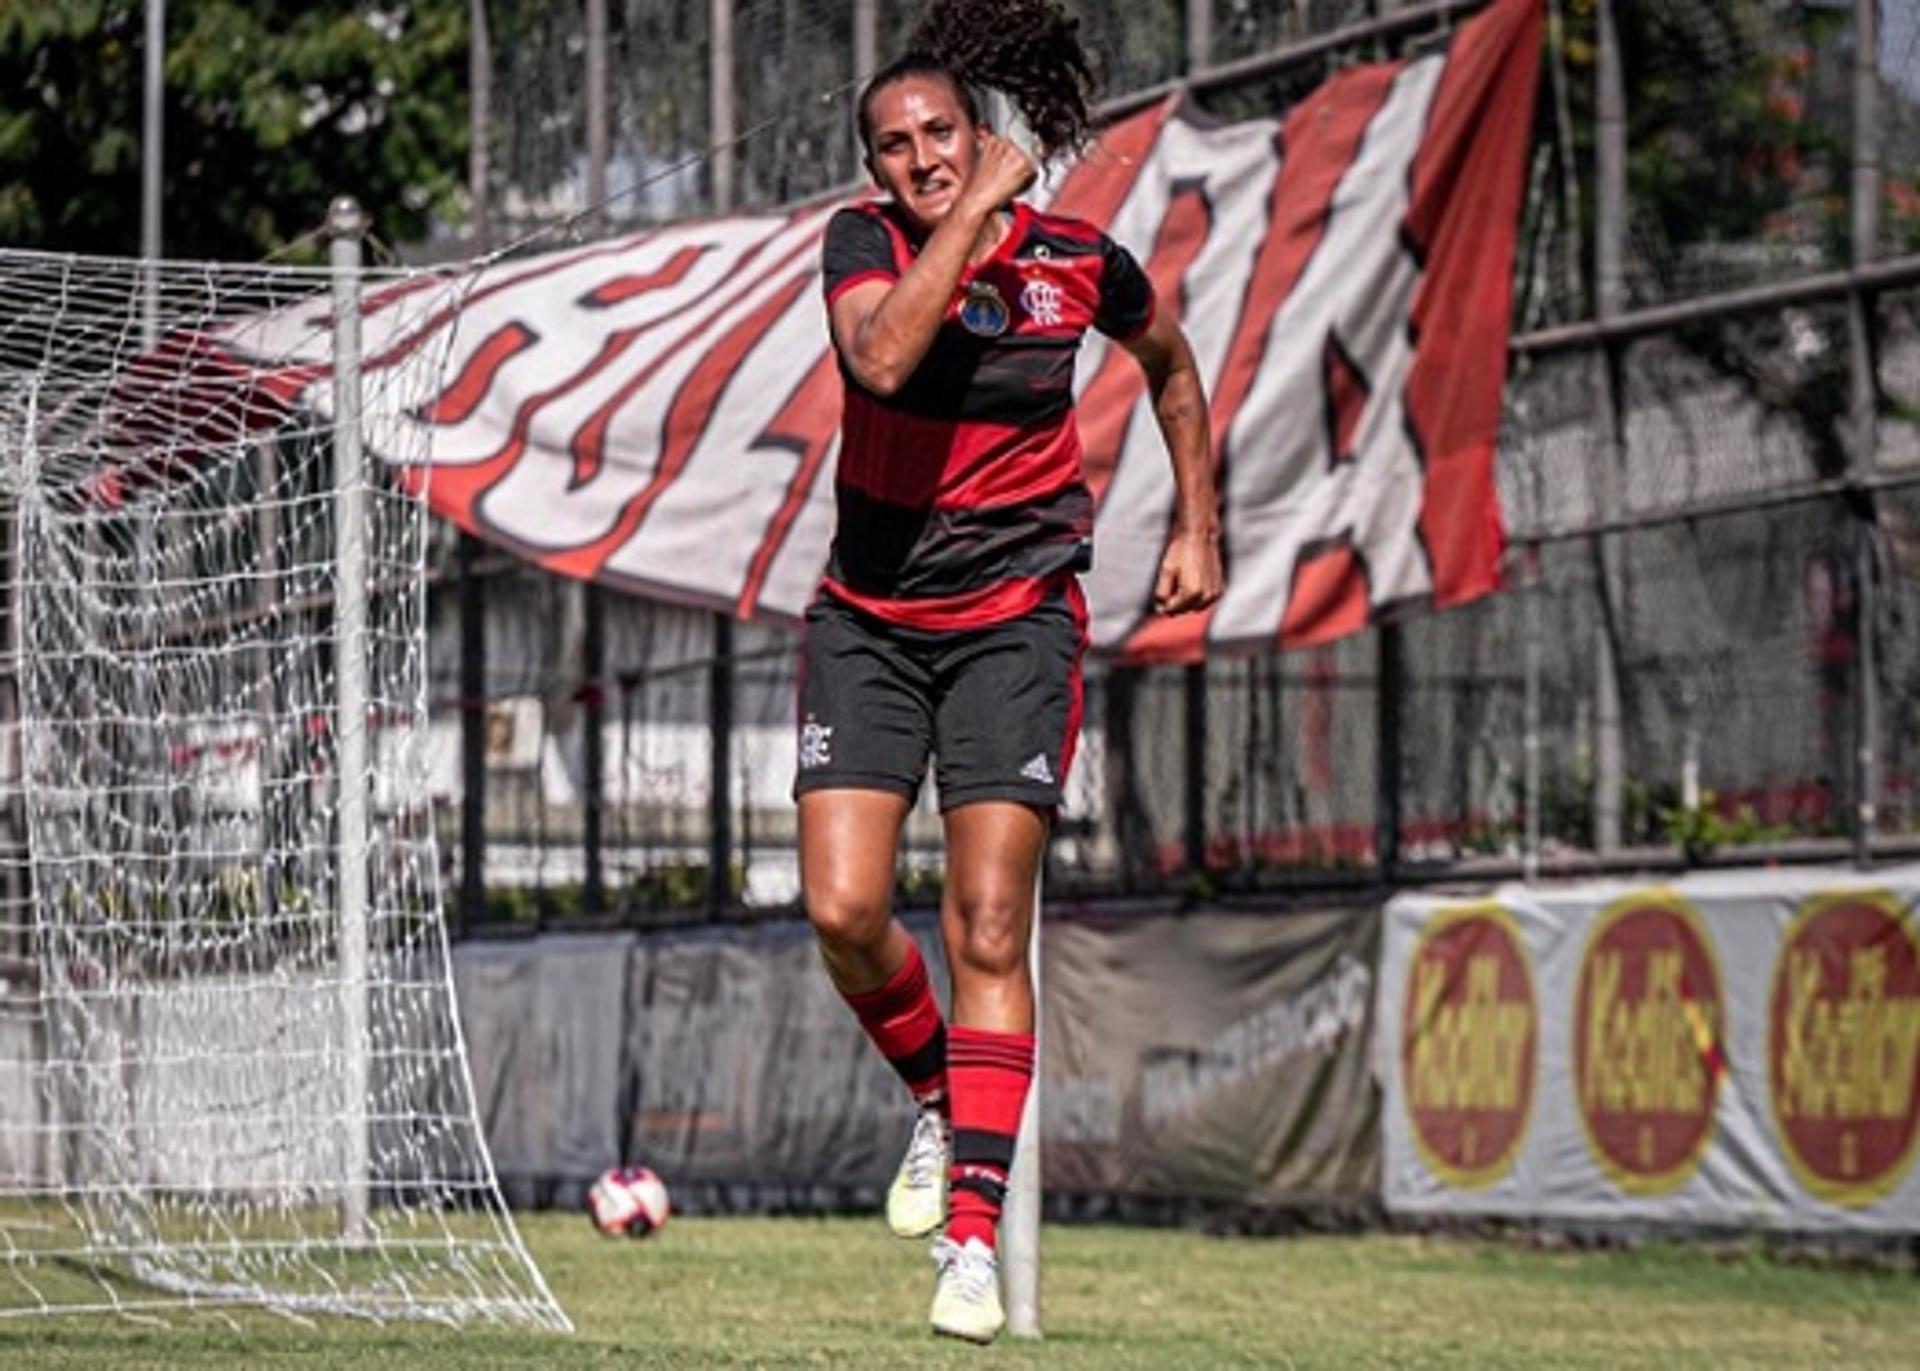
839,1292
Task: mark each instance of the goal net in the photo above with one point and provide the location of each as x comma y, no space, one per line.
231,1070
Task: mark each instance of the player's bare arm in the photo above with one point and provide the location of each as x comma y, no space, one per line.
1190,573
884,329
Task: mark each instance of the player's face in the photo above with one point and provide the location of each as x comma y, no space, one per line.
921,146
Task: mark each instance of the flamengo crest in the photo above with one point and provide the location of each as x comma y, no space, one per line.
1041,300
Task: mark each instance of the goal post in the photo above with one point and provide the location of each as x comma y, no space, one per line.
347,226
231,1067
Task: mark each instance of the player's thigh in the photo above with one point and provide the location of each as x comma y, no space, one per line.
848,840
1008,711
865,730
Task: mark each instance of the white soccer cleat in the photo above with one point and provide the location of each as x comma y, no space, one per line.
917,1199
966,1297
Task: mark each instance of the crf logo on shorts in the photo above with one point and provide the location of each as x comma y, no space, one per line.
816,744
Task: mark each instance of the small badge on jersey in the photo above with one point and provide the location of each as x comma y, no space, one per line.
984,312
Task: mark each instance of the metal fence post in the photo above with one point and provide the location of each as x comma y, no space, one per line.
1194,685
479,122
593,603
472,905
1610,230
1199,34
720,767
722,116
470,591
1535,589
1132,838
597,140
1388,757
153,146
722,122
866,61
593,753
1863,420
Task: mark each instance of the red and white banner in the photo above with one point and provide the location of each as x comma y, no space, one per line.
661,412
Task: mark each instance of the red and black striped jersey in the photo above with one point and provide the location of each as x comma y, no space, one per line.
960,496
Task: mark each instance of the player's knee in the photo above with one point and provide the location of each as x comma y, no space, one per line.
995,940
846,916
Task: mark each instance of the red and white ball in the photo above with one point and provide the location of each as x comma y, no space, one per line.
628,1201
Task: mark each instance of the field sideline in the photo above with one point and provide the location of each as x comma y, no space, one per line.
840,1292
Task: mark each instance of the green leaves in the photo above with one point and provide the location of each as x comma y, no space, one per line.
272,108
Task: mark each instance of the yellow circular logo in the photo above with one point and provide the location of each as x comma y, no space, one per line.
1843,1045
1647,1042
1468,1044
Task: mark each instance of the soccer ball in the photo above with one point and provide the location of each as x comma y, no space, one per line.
629,1201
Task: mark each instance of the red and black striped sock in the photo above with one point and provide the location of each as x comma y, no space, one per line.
903,1019
989,1074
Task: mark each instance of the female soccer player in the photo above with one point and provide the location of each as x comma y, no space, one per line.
950,621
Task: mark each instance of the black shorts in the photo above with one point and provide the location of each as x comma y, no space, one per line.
998,708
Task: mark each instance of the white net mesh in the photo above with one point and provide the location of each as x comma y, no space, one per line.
230,1065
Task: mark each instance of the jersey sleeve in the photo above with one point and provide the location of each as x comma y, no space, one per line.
857,249
1126,295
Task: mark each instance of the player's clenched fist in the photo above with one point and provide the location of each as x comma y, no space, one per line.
1000,172
1190,575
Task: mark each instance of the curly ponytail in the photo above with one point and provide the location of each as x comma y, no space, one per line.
1028,50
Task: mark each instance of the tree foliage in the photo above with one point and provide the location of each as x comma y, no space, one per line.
272,108
1738,169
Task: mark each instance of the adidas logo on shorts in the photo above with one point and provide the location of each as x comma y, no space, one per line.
1038,770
